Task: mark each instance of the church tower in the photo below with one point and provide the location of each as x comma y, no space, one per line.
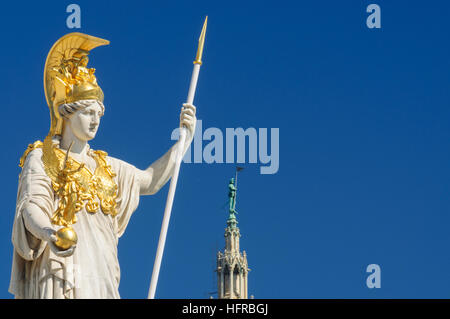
232,268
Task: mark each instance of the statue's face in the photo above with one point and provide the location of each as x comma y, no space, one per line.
84,123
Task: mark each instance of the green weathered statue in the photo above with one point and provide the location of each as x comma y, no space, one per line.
232,197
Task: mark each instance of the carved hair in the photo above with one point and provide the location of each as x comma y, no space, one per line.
66,110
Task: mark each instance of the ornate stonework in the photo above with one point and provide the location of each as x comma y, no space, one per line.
232,267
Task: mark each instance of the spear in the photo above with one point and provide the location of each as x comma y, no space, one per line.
176,171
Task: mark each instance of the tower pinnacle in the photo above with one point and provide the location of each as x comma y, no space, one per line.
232,267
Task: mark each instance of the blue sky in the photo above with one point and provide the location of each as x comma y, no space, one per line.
363,115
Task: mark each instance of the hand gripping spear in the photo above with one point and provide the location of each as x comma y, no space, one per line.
176,171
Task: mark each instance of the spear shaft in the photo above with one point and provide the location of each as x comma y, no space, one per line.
176,171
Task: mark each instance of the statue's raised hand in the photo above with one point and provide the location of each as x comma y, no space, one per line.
188,119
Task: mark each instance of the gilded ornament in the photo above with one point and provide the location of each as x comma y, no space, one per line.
66,238
75,185
66,76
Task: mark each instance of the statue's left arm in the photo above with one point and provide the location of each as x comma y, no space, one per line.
156,175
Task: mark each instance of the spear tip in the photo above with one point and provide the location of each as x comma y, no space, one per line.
201,42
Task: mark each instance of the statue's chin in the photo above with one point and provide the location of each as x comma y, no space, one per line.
86,137
92,136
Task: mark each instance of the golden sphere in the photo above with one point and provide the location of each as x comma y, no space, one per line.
66,238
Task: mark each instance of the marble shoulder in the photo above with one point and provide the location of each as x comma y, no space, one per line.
33,161
118,164
31,147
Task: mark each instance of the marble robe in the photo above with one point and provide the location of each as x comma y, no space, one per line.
93,270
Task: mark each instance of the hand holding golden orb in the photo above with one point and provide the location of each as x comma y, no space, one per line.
66,238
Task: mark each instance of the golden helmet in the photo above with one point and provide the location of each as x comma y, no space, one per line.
66,76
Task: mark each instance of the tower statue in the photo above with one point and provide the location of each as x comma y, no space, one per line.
232,197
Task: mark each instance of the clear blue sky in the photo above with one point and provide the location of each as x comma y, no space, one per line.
364,137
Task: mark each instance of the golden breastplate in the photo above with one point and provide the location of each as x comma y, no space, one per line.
74,184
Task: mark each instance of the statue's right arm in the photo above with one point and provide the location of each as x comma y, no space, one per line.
37,222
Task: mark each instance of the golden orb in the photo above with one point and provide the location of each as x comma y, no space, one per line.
67,237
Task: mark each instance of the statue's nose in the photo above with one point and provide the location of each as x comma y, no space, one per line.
95,120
